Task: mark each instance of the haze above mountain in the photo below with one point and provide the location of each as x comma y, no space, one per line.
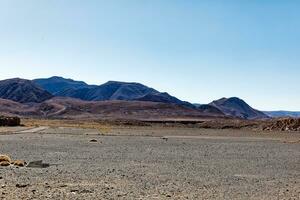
44,89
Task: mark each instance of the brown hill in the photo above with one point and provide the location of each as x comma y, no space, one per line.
74,108
12,108
61,107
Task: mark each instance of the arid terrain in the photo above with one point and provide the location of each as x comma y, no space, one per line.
125,161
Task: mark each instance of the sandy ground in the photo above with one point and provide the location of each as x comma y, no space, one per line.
150,163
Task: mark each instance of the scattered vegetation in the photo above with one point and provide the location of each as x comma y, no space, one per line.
102,127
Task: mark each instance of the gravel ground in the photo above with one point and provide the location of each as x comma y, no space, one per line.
141,164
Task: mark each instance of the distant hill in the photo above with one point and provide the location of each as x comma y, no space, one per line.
236,107
23,91
281,113
57,84
112,90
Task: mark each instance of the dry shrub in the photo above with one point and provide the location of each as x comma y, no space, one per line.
85,124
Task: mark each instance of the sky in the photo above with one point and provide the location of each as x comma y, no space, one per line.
196,50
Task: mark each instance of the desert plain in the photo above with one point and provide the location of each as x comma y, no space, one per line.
153,161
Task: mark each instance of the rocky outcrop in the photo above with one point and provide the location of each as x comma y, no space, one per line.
285,124
9,121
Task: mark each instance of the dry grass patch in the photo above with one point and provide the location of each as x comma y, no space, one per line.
85,124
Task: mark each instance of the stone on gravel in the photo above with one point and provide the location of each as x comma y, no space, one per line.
10,121
19,163
21,185
5,158
4,163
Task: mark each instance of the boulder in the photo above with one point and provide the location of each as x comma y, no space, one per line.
10,121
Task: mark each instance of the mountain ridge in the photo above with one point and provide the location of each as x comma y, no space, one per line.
237,107
23,91
56,84
45,89
111,90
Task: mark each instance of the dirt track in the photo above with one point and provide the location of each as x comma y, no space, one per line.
151,163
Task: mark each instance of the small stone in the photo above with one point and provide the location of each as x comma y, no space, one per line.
21,185
93,140
85,191
19,163
5,158
4,163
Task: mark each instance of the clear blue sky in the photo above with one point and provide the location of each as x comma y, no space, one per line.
196,50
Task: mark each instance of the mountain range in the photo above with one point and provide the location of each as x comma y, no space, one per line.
281,113
112,90
57,96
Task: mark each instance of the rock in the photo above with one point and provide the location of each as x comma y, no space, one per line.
19,163
93,140
5,158
10,121
4,163
284,124
85,191
21,185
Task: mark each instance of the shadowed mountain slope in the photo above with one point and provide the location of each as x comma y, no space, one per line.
23,91
111,90
236,107
206,108
57,84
